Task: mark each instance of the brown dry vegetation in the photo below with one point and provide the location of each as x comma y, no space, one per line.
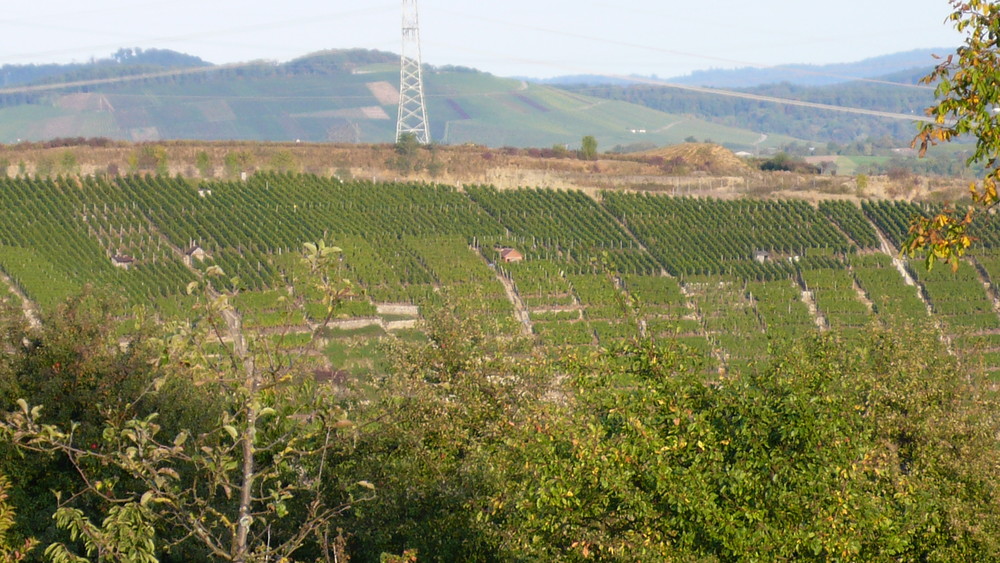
695,169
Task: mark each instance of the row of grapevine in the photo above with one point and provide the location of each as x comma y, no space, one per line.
781,309
893,217
960,300
692,236
836,297
737,263
892,300
852,221
730,322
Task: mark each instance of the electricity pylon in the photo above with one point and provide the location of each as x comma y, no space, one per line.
412,116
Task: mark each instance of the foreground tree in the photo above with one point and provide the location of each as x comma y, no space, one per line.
427,435
245,486
833,452
81,369
968,103
11,550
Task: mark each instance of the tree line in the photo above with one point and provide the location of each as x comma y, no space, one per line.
794,121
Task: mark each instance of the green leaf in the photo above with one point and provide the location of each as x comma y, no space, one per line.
280,509
231,430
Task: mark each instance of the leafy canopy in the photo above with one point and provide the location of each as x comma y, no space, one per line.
968,104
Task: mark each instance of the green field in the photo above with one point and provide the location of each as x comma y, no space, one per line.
596,271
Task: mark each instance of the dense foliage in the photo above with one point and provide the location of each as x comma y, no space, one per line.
691,417
476,449
965,108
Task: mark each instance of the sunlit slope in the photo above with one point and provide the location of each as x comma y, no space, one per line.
37,122
478,108
359,104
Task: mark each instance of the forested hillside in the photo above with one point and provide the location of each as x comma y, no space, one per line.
816,75
800,122
351,96
122,63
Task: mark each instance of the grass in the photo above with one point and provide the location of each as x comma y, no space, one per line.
347,333
31,122
43,281
359,357
411,335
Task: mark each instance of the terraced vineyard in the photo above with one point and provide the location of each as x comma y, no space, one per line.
692,236
891,299
724,277
833,290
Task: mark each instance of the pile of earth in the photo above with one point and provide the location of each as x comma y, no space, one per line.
704,157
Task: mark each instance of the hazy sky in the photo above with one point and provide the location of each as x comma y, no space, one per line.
537,38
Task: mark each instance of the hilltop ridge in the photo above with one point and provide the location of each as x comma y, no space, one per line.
350,95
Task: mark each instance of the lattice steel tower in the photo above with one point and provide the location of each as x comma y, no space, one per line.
412,116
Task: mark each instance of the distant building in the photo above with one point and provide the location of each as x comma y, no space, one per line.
123,261
510,255
194,252
761,256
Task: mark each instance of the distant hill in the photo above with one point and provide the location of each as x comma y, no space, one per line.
896,93
351,96
122,62
798,74
330,96
572,79
815,75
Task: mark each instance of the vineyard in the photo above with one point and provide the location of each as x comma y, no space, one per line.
725,277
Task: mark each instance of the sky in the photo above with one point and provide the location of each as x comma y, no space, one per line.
532,38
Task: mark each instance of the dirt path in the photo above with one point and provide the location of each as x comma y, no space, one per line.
27,306
520,310
860,290
984,277
810,300
889,249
